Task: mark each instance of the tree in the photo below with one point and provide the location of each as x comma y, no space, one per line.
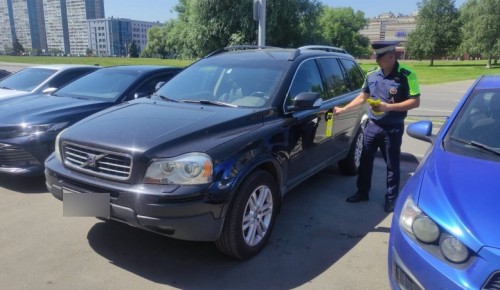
17,47
157,41
341,27
89,52
133,51
207,25
481,28
437,30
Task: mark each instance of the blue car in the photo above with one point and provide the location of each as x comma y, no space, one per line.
445,228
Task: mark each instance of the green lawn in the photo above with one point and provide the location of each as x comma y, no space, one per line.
441,72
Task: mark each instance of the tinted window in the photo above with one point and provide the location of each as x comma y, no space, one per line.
307,79
148,87
354,74
337,84
105,84
27,79
66,77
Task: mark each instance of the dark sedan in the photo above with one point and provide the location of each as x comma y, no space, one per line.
30,124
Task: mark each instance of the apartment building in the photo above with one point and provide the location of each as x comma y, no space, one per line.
113,36
48,25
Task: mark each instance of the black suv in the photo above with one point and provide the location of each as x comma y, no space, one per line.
210,155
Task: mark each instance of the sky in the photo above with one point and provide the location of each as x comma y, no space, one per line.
162,10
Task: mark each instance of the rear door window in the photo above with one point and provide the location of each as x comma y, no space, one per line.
335,78
354,74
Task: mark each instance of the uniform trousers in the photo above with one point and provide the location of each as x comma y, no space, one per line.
387,137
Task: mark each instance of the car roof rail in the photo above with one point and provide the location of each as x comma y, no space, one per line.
324,48
237,47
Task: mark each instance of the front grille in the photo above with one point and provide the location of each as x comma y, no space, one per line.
493,282
13,156
102,163
404,281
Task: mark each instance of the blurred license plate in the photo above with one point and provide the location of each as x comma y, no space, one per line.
84,204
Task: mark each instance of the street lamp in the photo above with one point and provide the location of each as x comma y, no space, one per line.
259,14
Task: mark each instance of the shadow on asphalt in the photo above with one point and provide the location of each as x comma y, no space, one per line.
23,184
314,230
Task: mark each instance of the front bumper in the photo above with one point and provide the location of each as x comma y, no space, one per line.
25,155
410,266
155,208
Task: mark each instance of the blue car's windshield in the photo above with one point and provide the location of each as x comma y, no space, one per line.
104,84
478,123
27,79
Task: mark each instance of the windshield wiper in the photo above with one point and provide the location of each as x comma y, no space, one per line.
6,88
166,98
477,145
207,102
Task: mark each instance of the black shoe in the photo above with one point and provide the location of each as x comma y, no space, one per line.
389,205
357,198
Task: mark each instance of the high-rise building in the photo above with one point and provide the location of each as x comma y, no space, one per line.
7,34
48,25
22,20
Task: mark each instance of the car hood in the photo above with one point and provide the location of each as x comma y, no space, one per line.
38,109
463,194
172,128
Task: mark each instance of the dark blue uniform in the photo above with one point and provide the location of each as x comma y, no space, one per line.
385,129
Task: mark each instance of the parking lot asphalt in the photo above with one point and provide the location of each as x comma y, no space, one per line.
319,241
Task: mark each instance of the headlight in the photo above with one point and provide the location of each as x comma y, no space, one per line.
453,249
415,222
35,129
408,214
191,168
425,230
57,150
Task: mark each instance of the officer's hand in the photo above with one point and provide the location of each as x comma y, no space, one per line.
337,111
382,107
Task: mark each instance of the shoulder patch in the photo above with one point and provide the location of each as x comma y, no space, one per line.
405,72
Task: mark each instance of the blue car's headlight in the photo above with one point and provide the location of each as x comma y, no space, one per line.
36,129
453,249
424,229
191,168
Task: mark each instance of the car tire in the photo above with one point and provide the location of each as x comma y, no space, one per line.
350,165
250,218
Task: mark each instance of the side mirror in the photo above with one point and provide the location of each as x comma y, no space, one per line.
140,95
159,85
49,91
306,101
421,130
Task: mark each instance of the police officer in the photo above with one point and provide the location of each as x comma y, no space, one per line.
391,90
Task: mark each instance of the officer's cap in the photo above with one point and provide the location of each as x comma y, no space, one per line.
380,48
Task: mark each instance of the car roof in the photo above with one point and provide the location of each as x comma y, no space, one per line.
489,82
143,68
60,66
276,53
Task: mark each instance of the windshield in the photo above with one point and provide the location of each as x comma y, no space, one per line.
241,83
27,79
477,126
104,84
